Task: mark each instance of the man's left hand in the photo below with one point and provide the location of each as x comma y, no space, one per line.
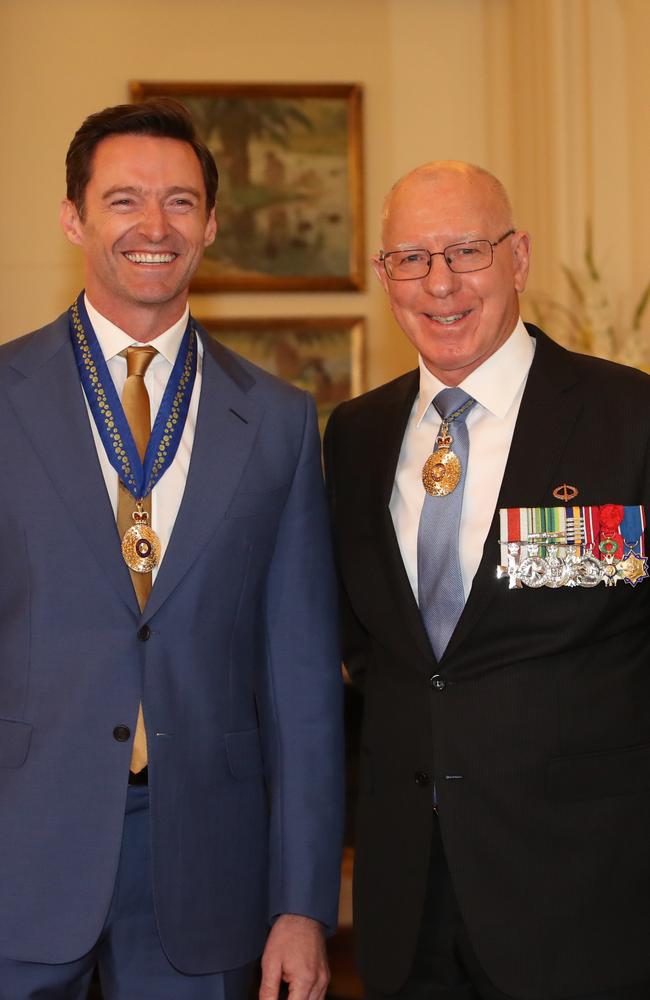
295,954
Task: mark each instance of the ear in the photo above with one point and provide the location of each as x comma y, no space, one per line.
210,229
521,259
380,271
70,222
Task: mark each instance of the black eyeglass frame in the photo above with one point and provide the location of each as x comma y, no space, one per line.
443,253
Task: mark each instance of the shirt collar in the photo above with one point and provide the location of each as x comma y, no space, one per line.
113,340
495,383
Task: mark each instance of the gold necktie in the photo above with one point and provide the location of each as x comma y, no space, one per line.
135,402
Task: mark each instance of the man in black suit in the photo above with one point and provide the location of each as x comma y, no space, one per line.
499,623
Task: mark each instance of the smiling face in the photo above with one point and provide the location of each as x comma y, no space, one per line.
143,231
456,321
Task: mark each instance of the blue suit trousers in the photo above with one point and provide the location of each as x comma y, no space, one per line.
129,954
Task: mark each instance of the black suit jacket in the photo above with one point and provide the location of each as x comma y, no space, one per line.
539,738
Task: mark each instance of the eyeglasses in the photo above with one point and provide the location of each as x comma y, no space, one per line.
475,255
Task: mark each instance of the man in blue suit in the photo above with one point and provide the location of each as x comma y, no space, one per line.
170,752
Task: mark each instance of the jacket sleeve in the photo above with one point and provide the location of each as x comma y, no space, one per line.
302,711
354,639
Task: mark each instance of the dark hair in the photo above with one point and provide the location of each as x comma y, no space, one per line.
157,116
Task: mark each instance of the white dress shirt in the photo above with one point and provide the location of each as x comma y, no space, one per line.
497,386
168,492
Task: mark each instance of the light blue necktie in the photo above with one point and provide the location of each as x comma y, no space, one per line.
440,585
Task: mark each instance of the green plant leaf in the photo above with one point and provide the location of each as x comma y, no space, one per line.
641,308
574,284
589,251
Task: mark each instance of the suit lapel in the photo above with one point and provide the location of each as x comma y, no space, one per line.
389,430
48,401
549,409
227,423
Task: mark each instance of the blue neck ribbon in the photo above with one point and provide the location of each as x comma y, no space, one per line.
139,477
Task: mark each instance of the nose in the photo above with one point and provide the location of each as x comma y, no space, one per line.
441,280
153,222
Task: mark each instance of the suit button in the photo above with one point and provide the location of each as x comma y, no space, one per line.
144,633
421,778
121,733
438,683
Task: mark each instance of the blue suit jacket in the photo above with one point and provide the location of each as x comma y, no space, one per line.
239,676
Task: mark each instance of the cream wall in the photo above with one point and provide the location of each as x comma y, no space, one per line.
573,140
550,94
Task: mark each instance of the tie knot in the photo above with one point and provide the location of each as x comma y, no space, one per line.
138,359
453,403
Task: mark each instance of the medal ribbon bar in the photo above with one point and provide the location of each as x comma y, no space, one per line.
579,546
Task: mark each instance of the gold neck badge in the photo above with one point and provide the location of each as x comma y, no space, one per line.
442,470
140,544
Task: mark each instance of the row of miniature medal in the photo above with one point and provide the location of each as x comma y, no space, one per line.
574,547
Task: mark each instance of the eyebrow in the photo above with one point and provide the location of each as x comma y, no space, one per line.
134,189
465,238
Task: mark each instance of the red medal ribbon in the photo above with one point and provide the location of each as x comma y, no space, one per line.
514,524
611,515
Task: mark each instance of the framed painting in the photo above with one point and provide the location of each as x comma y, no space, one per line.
323,355
290,202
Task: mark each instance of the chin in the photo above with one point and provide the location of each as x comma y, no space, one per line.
154,296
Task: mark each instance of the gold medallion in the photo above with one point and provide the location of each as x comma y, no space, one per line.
633,569
441,472
141,545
